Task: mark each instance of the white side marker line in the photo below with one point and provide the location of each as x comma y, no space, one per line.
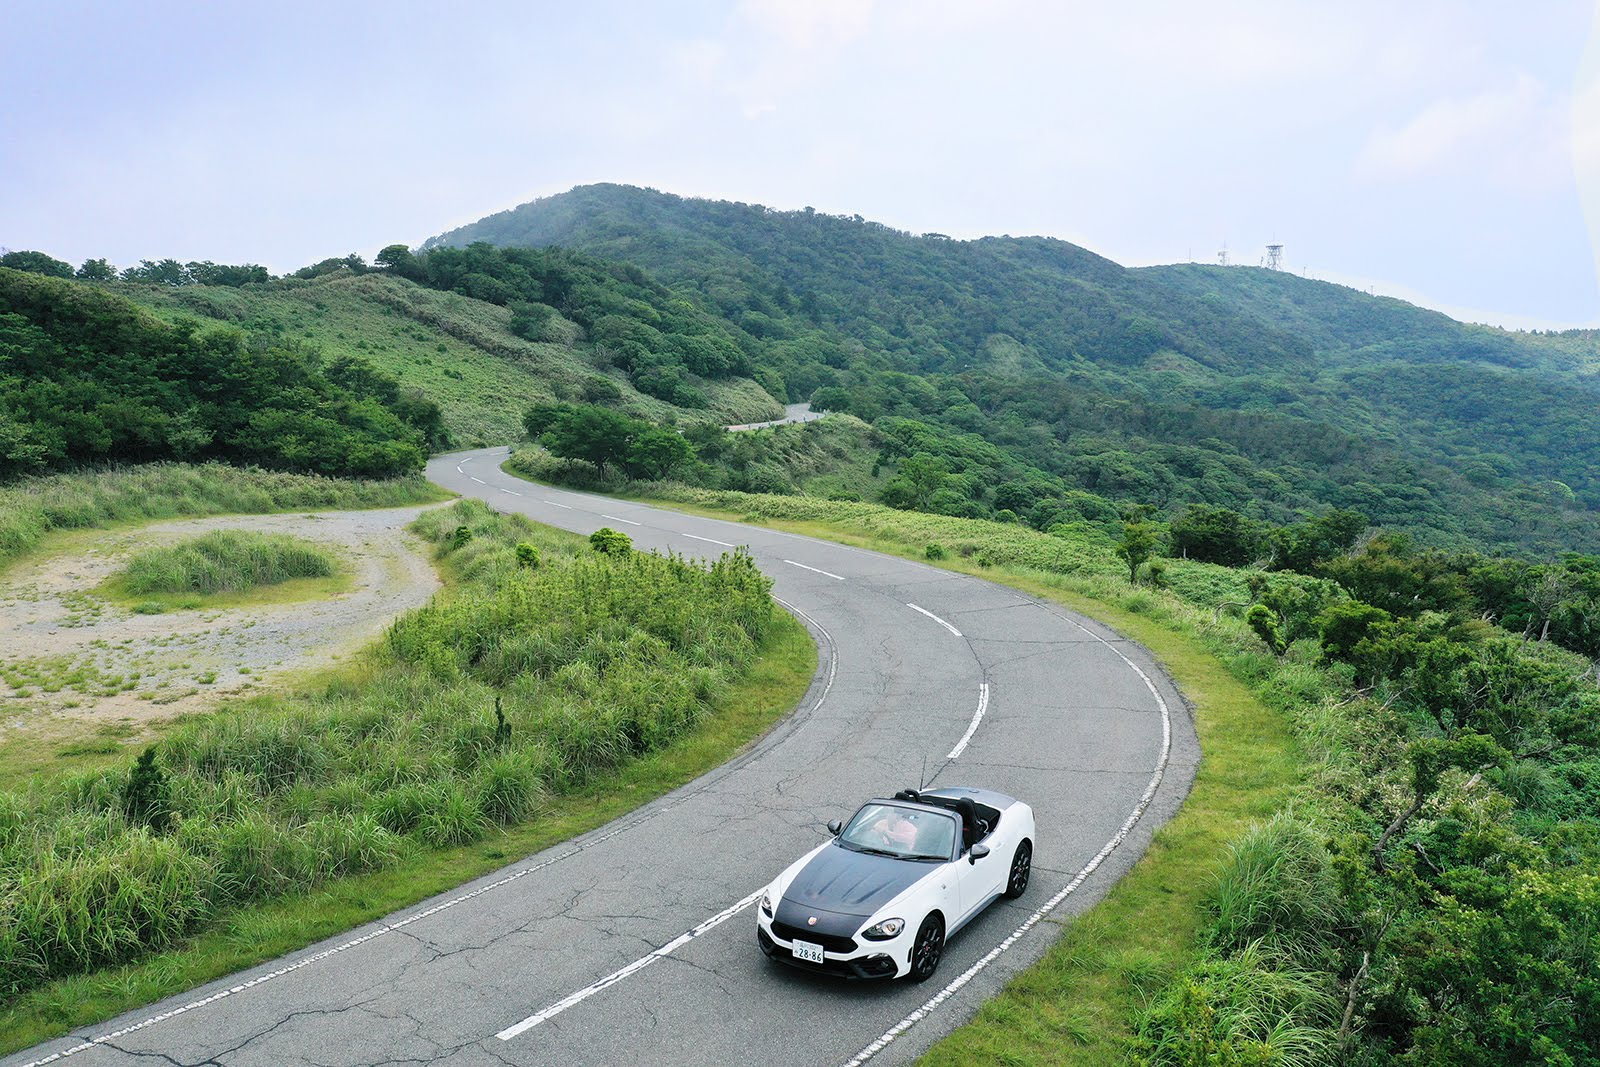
554,503
935,618
1078,879
616,518
387,928
815,570
637,965
713,540
977,717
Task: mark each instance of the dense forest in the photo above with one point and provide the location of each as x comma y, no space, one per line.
1237,387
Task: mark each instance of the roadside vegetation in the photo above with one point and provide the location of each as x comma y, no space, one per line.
548,669
32,508
225,561
1389,852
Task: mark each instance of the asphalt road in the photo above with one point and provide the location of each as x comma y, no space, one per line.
635,944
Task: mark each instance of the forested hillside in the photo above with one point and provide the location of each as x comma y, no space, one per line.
1034,364
87,376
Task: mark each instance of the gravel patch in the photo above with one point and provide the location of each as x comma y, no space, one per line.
67,654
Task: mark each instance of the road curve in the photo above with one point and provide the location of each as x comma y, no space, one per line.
634,944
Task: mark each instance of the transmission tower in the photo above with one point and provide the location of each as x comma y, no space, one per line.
1274,257
1222,256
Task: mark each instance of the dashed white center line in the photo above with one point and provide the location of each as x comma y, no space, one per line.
618,518
555,504
512,492
633,968
935,618
713,540
977,717
477,479
815,570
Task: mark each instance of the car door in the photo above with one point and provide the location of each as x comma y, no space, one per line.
977,881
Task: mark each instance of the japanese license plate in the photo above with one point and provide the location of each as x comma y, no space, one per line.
807,951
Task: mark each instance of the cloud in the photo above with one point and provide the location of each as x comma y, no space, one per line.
1515,134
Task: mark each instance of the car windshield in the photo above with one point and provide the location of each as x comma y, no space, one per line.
903,832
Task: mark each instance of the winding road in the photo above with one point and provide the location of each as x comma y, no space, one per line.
635,944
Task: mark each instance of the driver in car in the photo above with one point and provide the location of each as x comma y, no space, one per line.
895,830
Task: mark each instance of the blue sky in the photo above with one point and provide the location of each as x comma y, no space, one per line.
1445,152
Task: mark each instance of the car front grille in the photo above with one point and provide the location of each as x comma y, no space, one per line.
831,942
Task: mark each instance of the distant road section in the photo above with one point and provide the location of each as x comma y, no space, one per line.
635,943
791,413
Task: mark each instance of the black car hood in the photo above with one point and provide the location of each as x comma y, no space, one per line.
851,883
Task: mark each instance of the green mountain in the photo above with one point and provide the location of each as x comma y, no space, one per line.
1035,369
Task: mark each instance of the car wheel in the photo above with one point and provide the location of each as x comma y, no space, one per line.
1021,869
928,949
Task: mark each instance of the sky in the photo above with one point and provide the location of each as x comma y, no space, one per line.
1445,152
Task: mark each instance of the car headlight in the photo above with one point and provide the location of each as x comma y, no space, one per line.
885,930
766,903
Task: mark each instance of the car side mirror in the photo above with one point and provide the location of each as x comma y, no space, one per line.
977,853
834,827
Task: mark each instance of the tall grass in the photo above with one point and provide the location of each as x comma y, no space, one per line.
226,561
594,660
34,507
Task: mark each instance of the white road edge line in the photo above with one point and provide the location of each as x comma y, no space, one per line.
815,570
637,965
387,928
935,618
559,505
618,518
1050,905
713,540
977,717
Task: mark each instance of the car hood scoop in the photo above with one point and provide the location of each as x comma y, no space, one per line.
852,883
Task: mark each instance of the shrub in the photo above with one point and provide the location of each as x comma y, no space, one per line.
933,551
527,555
147,798
611,542
225,561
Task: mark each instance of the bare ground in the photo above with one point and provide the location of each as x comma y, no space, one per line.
70,659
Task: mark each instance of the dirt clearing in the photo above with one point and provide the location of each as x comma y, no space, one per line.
69,658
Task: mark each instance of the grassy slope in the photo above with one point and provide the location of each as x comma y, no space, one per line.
1077,1005
460,352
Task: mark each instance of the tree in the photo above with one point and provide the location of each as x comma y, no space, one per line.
921,476
36,263
397,259
97,270
656,452
1214,535
597,435
1138,544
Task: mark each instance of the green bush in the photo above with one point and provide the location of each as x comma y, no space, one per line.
225,561
611,542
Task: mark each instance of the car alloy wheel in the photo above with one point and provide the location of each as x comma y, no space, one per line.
1021,869
929,947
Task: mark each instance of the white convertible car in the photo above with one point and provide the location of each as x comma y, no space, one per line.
879,899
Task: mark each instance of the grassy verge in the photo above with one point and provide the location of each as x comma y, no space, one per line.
768,687
1079,1004
32,509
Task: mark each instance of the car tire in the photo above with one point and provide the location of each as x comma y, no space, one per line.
927,949
1021,871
